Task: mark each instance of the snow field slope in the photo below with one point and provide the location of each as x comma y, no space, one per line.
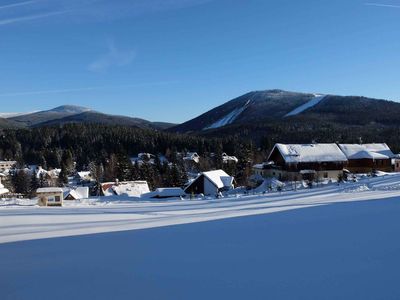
339,251
18,223
308,105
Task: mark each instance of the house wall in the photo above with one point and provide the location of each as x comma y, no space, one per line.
396,165
369,165
202,185
197,186
44,199
209,187
284,175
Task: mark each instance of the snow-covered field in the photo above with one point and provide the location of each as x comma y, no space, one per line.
334,242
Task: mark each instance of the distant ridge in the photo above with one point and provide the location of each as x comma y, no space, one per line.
67,114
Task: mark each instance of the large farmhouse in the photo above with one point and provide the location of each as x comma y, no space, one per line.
305,162
366,158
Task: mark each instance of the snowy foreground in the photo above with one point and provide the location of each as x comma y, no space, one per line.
343,245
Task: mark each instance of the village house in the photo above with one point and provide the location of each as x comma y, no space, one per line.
192,157
3,190
6,165
124,188
292,162
226,159
50,196
210,183
367,158
84,177
77,194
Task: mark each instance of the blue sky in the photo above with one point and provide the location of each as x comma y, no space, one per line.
170,60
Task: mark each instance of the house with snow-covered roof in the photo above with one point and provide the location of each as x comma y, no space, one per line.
226,159
124,188
210,183
366,158
293,162
77,194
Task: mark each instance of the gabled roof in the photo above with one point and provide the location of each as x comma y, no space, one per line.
380,148
78,193
219,178
49,190
366,151
306,153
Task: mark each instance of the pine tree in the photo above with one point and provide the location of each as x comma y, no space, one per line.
21,182
34,185
63,176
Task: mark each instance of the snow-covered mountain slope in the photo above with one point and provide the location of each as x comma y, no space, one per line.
250,108
308,105
67,114
229,118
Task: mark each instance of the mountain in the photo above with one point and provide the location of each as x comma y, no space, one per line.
36,118
277,106
67,114
253,107
5,123
100,118
268,117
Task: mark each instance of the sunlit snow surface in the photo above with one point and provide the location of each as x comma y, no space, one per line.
334,242
229,118
317,99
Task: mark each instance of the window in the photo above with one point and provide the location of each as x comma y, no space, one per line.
57,198
325,174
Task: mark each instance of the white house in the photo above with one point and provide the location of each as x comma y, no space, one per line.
50,196
3,190
192,156
210,183
229,159
77,194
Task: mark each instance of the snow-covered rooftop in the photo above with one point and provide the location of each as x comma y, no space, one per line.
366,151
49,190
297,153
219,178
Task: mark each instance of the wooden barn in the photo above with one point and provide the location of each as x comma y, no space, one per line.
210,183
293,162
367,158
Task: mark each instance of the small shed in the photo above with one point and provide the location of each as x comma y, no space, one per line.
50,196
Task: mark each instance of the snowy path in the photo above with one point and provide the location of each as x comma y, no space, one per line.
29,223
